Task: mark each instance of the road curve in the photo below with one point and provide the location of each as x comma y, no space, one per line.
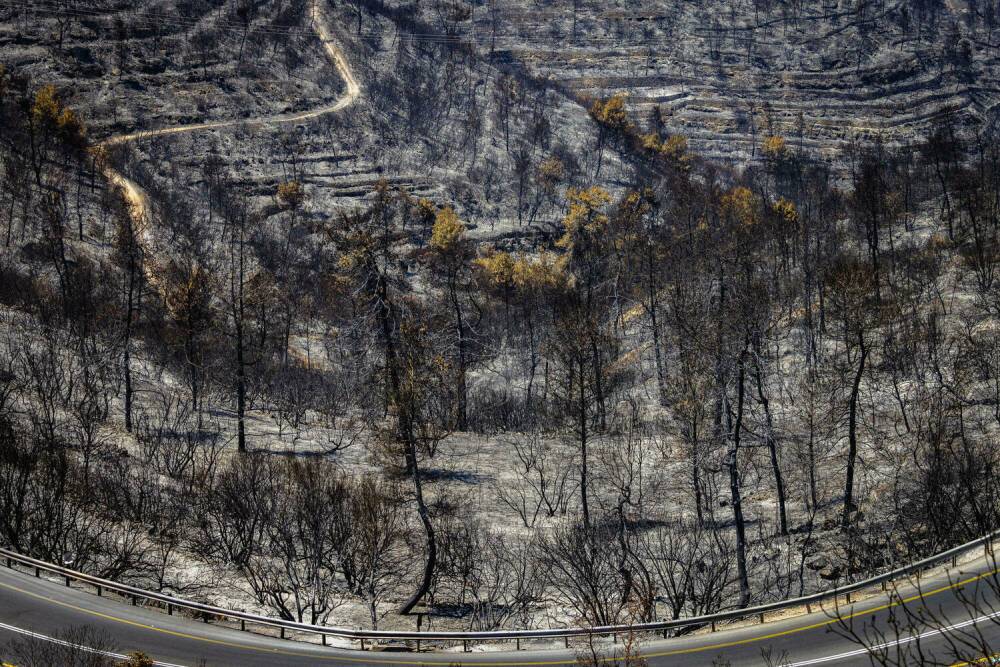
137,197
333,51
46,608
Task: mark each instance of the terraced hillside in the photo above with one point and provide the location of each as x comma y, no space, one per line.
430,125
728,73
138,66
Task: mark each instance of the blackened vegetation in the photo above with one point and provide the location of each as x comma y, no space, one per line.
700,388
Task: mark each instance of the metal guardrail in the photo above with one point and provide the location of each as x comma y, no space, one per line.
365,637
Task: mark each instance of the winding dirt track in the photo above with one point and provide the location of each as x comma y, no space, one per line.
137,197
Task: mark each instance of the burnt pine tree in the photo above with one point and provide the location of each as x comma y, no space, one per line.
855,305
371,250
128,255
450,252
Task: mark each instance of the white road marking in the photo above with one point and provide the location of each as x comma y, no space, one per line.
896,642
80,647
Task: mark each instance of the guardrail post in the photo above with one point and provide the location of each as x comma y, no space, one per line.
99,591
418,646
135,600
809,609
38,572
465,646
848,598
883,586
243,624
67,582
566,641
10,563
713,626
761,617
518,640
282,632
362,643
324,639
170,609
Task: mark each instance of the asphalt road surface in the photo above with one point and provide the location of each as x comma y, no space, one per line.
47,608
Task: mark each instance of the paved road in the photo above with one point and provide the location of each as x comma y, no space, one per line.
47,608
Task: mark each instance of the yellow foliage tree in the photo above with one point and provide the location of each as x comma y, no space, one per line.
611,112
786,211
675,148
70,125
498,268
775,147
426,209
422,211
527,275
291,194
545,272
611,119
585,215
448,231
651,142
49,114
550,173
451,253
46,107
740,205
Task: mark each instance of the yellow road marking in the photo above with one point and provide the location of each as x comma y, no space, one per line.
813,626
978,661
383,661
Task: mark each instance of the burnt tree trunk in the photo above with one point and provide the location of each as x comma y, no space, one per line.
852,434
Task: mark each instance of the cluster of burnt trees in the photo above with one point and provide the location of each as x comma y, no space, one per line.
655,367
